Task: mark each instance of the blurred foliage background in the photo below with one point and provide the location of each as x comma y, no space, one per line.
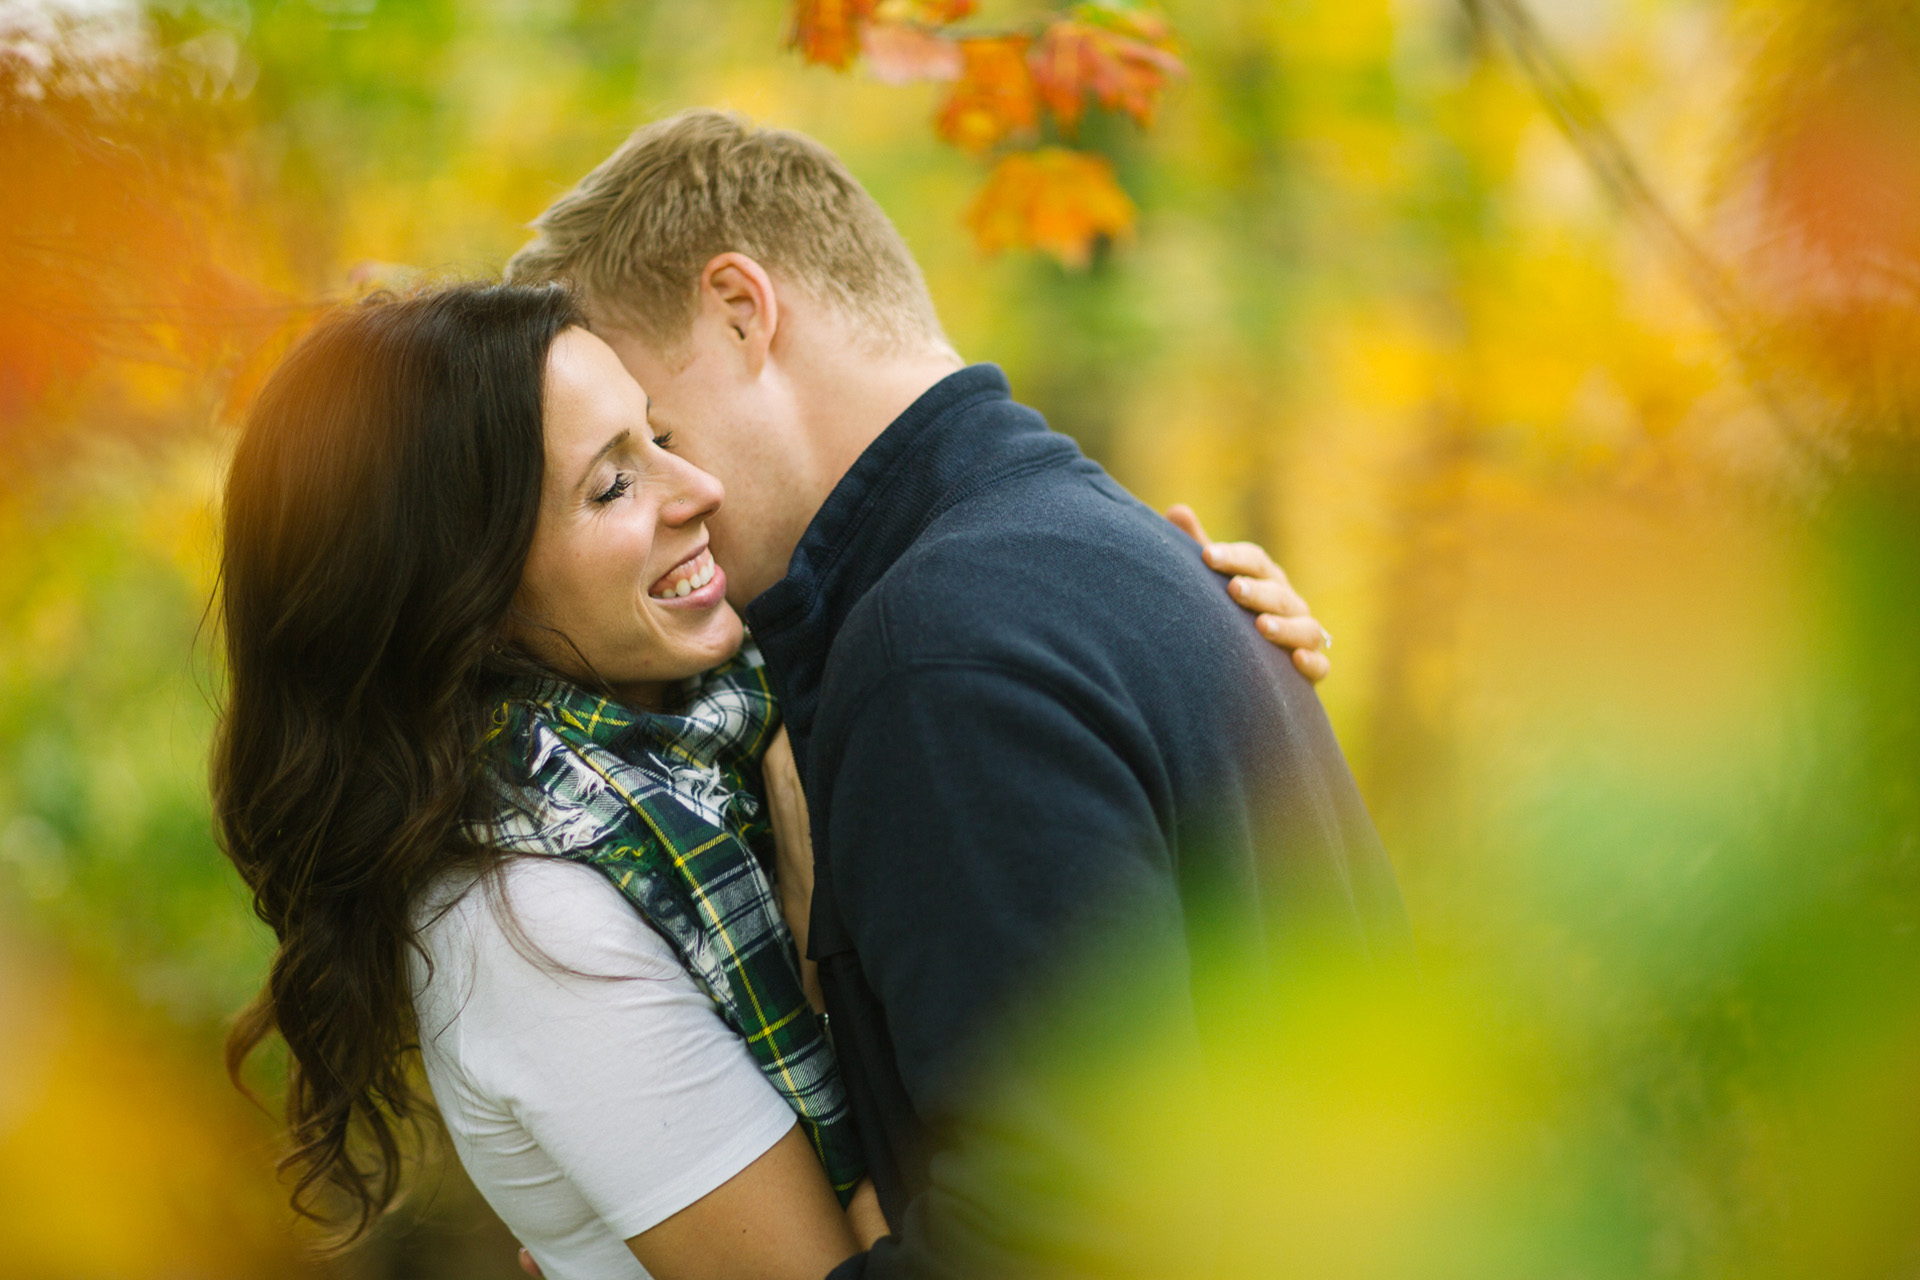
1618,529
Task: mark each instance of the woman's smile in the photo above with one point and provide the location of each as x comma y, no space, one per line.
695,583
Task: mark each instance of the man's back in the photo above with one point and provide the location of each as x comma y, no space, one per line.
1042,737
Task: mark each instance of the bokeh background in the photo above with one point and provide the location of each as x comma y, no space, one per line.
1566,357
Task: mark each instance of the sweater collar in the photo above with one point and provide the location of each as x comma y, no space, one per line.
911,472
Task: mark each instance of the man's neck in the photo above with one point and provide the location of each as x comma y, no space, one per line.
850,398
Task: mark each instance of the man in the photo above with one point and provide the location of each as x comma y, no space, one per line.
1048,763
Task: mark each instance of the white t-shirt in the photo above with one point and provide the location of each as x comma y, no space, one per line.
585,1110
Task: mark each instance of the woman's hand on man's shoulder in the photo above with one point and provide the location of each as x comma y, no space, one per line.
1260,586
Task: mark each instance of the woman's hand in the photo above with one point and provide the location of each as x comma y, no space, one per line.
1260,586
793,842
864,1216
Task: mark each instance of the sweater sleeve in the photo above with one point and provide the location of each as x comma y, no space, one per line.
994,848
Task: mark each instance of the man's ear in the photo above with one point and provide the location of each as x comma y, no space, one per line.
739,293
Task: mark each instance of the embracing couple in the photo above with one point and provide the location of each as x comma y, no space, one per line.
720,944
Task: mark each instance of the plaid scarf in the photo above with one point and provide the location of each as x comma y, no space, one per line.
667,807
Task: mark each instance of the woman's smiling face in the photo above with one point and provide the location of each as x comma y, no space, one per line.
619,583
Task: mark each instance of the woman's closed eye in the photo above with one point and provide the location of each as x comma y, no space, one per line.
664,439
621,483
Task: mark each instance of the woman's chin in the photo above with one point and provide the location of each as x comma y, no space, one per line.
706,646
732,633
677,648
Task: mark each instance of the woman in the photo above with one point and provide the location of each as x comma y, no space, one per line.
493,754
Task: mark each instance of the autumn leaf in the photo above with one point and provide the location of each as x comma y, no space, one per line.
930,12
1063,202
128,247
1121,60
828,31
1058,201
901,54
995,97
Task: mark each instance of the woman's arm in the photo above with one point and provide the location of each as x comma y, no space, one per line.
792,837
776,1218
787,805
1260,586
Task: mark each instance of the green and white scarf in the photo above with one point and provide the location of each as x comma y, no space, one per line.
668,808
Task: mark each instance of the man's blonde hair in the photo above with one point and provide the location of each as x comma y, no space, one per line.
635,233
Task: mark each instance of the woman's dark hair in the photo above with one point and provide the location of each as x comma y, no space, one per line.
379,512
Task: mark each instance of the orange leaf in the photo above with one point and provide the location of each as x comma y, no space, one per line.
995,97
934,12
1058,201
829,30
901,55
1122,69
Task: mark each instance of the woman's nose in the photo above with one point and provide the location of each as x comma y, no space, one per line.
698,497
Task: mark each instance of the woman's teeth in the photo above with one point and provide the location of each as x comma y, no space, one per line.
687,579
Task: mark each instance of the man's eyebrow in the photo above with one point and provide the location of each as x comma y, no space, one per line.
604,450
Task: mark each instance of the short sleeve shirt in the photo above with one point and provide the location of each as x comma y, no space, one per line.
588,1084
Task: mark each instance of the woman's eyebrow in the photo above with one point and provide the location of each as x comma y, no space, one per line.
619,439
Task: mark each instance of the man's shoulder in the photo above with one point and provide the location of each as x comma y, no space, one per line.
1054,575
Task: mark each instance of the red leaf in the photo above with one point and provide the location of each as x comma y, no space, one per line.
1122,66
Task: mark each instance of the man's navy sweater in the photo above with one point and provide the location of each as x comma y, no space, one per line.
1028,717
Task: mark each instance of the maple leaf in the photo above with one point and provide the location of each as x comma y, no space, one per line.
995,97
1058,201
931,12
828,31
1121,59
944,11
901,54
